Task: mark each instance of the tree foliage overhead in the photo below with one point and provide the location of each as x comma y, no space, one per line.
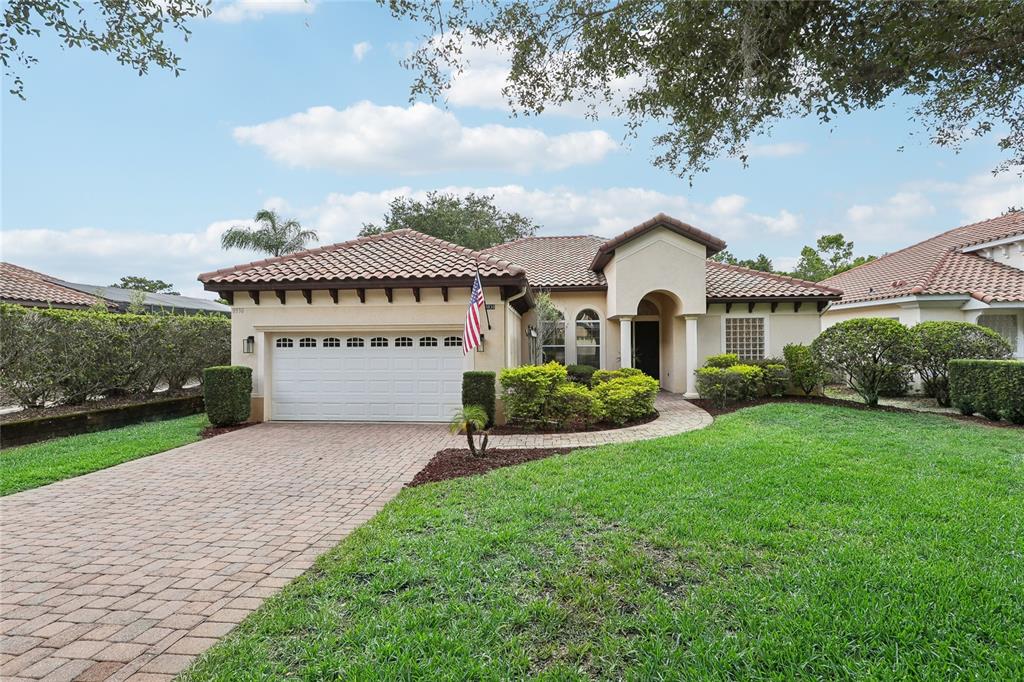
272,235
833,255
762,263
472,221
719,73
134,32
153,286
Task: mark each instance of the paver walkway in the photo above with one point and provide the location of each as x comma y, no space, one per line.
131,572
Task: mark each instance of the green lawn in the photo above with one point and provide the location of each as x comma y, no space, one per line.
31,466
783,541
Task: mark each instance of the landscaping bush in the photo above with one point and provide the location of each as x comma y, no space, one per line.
805,372
627,398
227,391
993,388
937,343
750,380
478,388
775,379
718,385
527,391
722,360
52,356
865,352
602,375
575,407
580,374
895,383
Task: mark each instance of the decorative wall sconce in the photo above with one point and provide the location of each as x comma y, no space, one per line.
480,348
248,344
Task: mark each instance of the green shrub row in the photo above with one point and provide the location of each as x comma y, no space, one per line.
478,389
227,391
993,388
723,381
52,356
536,395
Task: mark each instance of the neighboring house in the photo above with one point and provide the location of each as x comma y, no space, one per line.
34,289
973,273
371,329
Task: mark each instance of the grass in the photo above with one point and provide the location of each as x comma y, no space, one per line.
31,466
784,541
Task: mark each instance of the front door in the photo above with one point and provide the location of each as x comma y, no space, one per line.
647,348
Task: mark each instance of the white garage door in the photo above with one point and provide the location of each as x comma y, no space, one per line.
372,377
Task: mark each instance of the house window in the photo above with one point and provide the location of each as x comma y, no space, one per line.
588,339
552,339
430,341
332,342
307,343
378,342
284,343
403,342
1005,326
354,342
453,342
744,336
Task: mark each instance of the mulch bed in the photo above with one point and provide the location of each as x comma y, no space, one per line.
714,411
457,463
211,431
90,405
516,430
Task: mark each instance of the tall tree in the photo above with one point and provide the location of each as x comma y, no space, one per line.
718,73
833,255
272,235
472,221
153,286
762,263
132,32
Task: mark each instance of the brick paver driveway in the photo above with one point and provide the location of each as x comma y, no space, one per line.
130,572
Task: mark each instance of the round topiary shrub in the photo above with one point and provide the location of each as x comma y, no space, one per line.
865,352
227,391
936,343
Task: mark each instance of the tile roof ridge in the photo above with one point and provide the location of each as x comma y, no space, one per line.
550,236
775,276
478,256
933,271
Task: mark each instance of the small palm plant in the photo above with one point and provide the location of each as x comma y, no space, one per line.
272,235
471,419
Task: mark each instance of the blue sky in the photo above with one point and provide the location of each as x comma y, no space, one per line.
303,107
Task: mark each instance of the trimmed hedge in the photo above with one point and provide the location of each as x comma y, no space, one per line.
575,406
228,394
602,375
528,391
581,374
993,388
56,357
478,388
775,379
722,360
627,398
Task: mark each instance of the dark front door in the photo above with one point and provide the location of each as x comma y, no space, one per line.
647,348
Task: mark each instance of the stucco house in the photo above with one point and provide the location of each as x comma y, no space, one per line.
973,273
370,329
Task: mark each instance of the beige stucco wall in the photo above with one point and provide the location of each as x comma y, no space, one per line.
432,313
781,327
659,260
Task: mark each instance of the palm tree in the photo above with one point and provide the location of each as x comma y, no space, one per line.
469,420
272,235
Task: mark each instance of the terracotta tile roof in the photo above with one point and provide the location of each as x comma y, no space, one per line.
734,282
555,261
21,285
711,242
938,266
398,255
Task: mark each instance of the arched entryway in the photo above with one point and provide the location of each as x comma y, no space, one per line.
656,339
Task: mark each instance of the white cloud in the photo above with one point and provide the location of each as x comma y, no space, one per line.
776,150
987,196
896,215
416,139
253,10
360,50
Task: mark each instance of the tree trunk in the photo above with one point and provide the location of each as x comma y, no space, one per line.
469,439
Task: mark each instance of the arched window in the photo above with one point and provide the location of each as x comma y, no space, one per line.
453,342
403,342
552,338
588,339
354,342
332,342
284,343
307,342
428,341
378,342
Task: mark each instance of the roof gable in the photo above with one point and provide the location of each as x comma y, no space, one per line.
562,262
711,243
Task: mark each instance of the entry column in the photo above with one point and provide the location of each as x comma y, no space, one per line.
626,341
691,357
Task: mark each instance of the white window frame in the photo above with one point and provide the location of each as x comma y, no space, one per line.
565,340
766,352
1018,352
599,323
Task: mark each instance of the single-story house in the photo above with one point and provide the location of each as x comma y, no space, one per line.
33,289
371,329
973,273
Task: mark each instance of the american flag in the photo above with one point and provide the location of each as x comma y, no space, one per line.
471,333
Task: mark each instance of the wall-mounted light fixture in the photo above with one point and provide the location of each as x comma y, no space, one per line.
480,348
531,331
248,344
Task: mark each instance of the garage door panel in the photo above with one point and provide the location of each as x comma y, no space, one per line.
387,383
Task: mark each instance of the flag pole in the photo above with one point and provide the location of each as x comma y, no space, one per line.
487,314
